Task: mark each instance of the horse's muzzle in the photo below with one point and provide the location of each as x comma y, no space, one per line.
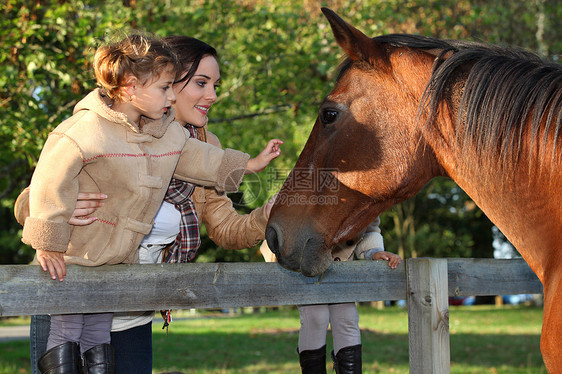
303,251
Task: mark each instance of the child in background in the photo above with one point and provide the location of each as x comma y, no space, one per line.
122,140
342,317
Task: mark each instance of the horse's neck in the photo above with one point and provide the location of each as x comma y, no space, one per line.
526,211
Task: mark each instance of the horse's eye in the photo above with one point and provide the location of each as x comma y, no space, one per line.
328,116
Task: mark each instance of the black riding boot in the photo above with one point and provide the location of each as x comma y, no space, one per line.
348,360
313,361
99,360
62,359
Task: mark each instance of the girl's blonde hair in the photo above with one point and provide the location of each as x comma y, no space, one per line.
143,57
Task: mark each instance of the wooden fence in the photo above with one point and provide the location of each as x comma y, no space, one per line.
425,283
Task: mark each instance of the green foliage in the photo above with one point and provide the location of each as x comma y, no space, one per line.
278,60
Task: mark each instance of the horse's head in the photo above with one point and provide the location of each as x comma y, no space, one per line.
364,153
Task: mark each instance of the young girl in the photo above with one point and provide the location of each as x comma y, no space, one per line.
123,141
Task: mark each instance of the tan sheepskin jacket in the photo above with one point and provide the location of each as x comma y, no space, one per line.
99,150
225,227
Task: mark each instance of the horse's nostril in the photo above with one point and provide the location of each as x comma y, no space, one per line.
272,240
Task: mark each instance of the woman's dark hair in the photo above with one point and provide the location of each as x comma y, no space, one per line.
189,52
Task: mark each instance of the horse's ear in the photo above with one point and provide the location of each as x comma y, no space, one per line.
356,45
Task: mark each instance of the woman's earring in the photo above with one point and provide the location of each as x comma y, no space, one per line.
131,98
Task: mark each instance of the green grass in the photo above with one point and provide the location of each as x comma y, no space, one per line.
484,339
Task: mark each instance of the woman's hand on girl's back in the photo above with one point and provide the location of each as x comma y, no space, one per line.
86,204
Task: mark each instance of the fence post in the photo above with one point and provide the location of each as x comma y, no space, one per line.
428,315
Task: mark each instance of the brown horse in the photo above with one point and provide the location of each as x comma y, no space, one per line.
407,108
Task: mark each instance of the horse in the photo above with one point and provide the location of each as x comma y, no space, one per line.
405,109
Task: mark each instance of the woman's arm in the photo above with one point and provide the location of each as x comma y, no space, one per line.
86,205
225,226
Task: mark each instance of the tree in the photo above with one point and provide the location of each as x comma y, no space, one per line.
278,60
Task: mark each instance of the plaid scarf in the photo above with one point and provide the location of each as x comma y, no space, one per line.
188,240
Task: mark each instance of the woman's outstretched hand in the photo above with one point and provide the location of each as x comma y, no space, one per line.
271,151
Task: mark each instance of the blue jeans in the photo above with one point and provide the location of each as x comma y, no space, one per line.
133,350
133,347
38,336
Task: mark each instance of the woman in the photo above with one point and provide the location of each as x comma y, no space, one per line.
195,92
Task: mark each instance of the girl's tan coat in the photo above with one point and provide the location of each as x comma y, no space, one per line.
99,150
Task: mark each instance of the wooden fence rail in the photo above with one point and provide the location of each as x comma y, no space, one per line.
425,283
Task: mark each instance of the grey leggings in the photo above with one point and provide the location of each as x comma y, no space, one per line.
343,319
88,330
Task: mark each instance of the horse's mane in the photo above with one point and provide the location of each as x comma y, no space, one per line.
508,93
